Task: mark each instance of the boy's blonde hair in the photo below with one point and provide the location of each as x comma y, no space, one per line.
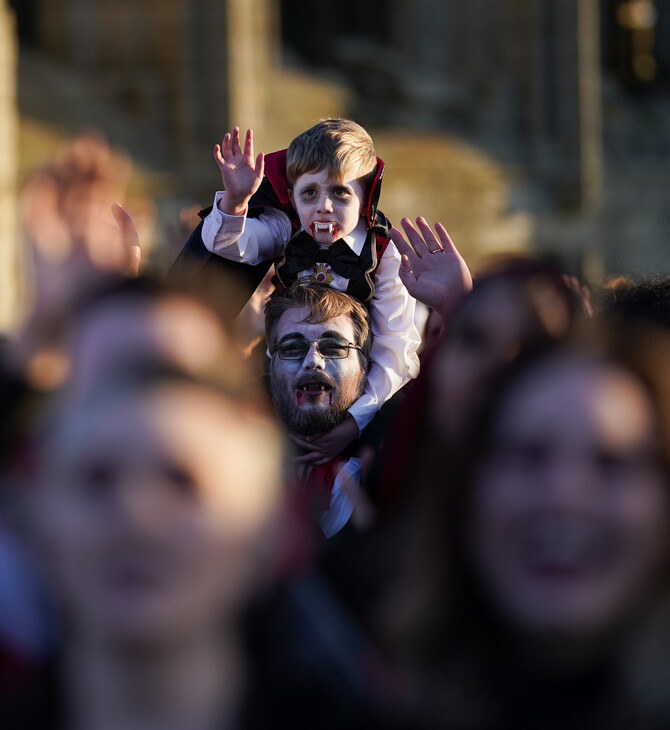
340,146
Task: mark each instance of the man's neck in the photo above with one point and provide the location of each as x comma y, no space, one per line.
194,685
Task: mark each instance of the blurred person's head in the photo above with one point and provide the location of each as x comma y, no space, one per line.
158,464
567,524
519,304
319,343
155,510
554,520
539,550
147,323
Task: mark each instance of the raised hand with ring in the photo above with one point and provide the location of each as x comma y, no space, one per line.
439,283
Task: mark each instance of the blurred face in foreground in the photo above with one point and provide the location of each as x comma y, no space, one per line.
570,505
128,334
156,512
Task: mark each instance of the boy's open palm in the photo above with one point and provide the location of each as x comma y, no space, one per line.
240,171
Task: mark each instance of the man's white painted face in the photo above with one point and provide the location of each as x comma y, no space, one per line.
313,394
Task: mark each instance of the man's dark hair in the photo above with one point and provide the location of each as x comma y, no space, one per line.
322,303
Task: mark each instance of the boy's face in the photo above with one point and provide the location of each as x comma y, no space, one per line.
328,208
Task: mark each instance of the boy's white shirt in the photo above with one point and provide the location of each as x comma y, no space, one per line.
395,338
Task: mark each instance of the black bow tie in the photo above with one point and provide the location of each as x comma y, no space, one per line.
303,253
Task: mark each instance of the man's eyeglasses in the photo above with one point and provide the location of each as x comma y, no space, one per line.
330,348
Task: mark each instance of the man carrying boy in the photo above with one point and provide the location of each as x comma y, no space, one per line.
321,227
319,345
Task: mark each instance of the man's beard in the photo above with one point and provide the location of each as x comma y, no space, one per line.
311,421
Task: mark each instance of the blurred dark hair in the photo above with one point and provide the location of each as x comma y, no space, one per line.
322,303
645,303
551,295
19,402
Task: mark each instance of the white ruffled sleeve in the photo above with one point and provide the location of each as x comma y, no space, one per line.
251,240
395,339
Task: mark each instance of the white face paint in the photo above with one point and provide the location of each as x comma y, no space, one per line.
313,394
328,208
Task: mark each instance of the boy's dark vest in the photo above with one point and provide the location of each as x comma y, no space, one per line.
299,255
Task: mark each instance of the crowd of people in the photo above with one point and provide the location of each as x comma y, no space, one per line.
314,472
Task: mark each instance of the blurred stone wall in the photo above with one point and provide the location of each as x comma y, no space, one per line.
521,78
502,99
182,68
166,78
8,166
550,91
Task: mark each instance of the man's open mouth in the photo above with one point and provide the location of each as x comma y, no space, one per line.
317,387
313,391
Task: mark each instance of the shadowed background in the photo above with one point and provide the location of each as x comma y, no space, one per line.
522,125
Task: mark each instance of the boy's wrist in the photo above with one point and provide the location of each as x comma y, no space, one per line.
230,206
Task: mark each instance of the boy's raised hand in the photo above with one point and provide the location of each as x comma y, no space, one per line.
240,172
432,269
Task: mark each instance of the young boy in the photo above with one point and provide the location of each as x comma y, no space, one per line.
313,210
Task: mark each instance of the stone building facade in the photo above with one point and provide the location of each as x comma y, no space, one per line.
523,116
569,96
9,264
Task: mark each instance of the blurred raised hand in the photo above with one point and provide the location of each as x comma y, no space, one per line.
75,232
